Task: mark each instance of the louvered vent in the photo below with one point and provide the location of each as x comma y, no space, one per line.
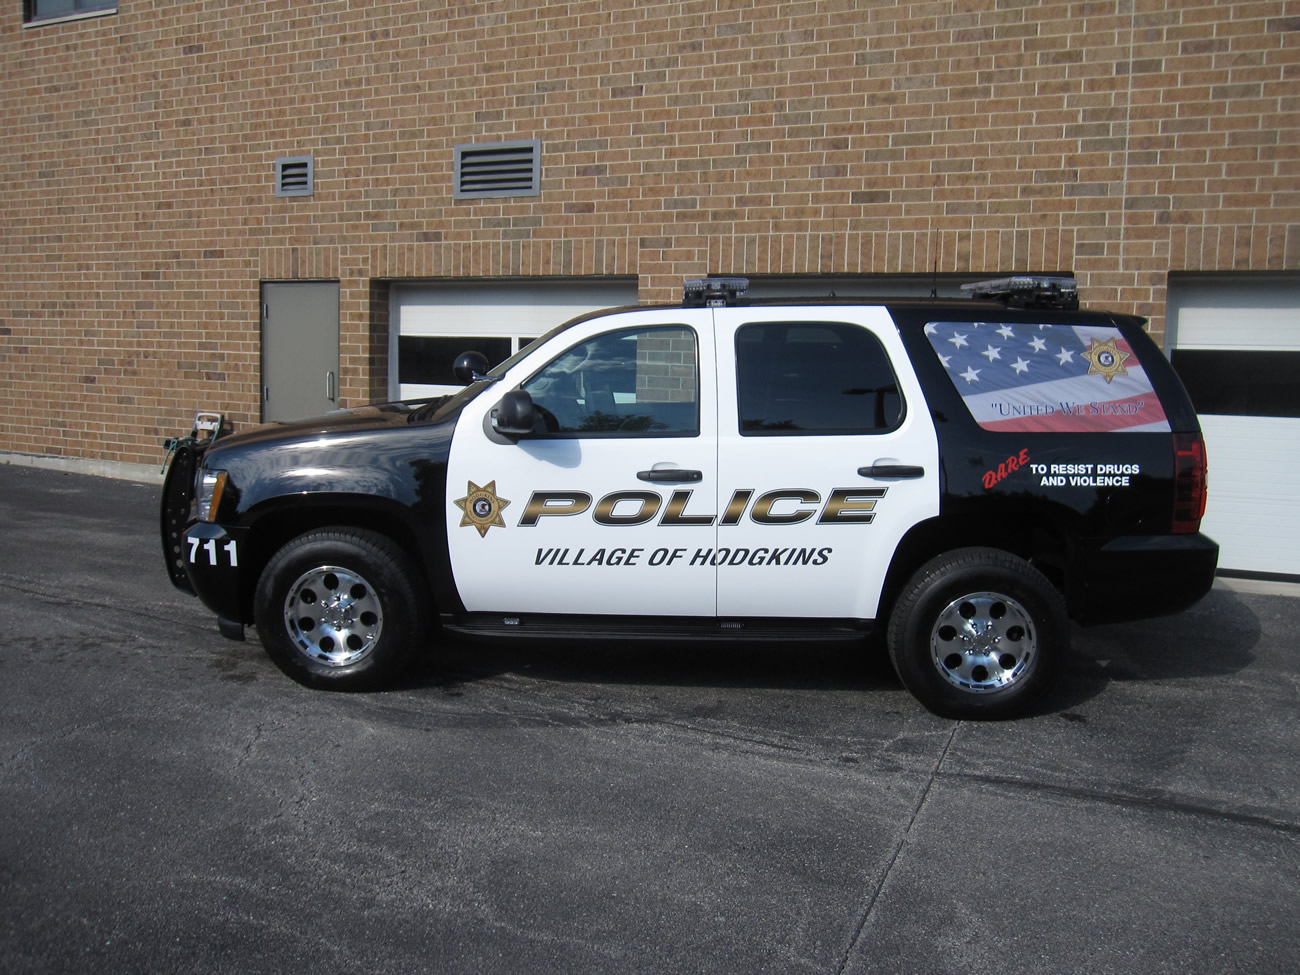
294,176
498,169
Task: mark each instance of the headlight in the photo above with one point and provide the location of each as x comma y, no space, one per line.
207,497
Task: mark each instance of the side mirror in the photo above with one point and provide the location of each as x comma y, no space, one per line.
469,367
514,415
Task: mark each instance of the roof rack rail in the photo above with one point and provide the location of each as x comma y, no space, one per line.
714,292
1028,291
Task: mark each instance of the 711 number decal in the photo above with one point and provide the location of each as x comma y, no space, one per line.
209,547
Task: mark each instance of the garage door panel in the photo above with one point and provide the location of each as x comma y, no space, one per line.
1240,383
1253,510
1242,328
1235,341
436,320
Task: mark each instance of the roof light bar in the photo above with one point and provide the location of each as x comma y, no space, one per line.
1028,291
714,292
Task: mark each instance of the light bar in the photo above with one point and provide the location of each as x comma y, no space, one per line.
714,292
1028,291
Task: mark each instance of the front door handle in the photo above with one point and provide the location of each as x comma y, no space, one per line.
892,470
677,476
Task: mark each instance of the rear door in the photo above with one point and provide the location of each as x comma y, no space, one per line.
826,456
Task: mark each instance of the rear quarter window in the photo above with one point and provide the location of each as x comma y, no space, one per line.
1045,378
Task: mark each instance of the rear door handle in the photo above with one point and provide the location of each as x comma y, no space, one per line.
892,470
678,476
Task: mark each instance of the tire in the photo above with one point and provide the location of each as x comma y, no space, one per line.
978,633
340,608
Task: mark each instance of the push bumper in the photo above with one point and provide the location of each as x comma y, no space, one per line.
1139,576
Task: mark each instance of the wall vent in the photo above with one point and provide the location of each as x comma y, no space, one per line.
498,169
295,176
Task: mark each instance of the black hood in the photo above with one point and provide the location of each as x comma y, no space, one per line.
362,419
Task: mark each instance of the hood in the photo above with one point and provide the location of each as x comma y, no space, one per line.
383,451
362,419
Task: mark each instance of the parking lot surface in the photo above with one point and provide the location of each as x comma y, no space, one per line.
173,803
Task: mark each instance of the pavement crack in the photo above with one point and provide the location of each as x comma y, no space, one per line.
903,839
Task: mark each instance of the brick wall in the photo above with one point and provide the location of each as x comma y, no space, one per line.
1120,138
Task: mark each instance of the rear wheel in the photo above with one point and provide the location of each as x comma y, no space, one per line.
340,608
978,633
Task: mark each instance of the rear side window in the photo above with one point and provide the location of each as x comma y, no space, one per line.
1019,378
808,378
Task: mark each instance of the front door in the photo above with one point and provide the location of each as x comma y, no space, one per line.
300,349
827,456
609,509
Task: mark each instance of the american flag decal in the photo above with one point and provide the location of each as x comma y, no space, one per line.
1047,378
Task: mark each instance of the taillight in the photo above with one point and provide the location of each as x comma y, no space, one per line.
1189,482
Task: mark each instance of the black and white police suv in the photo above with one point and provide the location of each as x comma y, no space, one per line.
966,475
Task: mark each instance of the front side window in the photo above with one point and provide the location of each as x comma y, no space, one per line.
809,378
629,383
36,10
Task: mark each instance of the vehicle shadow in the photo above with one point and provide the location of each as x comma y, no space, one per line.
742,666
1213,638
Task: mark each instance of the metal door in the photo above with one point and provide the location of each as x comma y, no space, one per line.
300,349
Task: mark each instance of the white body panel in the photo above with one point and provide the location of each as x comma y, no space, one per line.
856,554
548,567
757,535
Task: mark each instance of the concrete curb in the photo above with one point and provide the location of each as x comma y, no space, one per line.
143,473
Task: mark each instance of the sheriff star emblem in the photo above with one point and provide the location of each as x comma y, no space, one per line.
481,507
1105,359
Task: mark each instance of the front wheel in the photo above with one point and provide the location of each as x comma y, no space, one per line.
339,608
978,633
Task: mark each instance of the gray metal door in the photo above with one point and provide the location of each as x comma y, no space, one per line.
300,349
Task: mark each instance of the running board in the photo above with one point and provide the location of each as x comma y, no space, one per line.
494,626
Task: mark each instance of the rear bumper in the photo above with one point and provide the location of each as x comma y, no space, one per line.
1139,576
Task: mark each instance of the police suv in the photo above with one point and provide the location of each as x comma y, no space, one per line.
963,476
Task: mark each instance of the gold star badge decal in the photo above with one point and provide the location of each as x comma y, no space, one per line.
1105,359
481,507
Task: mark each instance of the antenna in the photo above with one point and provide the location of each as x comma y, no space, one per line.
934,282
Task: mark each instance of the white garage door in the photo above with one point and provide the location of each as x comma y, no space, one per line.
1235,341
435,321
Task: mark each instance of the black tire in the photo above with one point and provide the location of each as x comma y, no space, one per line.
340,608
978,633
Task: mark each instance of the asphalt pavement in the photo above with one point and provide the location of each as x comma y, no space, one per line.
171,803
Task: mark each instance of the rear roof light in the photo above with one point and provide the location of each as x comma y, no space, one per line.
1189,482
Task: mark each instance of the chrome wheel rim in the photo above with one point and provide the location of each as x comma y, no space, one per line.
333,616
983,641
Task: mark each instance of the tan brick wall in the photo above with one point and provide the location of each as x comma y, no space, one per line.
1120,138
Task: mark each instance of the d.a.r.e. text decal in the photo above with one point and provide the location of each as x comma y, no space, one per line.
1084,475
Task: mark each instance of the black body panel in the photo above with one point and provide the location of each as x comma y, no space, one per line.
376,466
1075,531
